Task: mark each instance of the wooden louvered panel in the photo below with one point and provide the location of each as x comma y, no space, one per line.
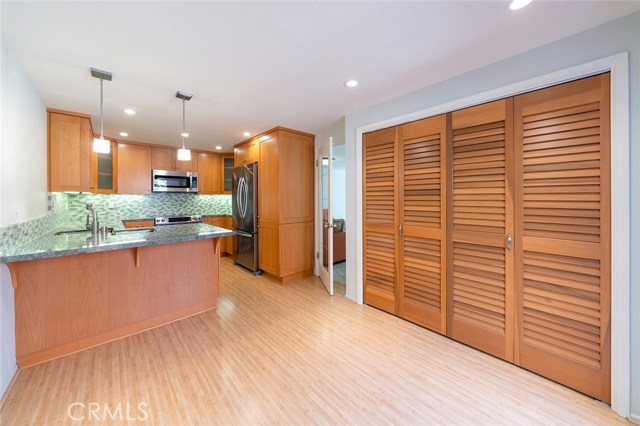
380,221
480,269
563,206
379,177
561,165
422,176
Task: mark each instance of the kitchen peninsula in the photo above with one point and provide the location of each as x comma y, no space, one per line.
78,290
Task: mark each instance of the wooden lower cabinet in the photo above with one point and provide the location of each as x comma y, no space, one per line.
138,223
493,226
226,243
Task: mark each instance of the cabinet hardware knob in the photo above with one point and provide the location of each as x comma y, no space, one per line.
509,241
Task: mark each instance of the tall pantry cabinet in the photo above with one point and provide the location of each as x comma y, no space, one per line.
521,240
285,200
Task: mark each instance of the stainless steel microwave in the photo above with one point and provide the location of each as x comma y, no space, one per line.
174,181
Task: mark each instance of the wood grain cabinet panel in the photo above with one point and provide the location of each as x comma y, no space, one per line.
138,223
69,142
134,169
208,173
285,197
167,159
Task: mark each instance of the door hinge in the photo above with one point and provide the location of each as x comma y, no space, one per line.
317,255
316,163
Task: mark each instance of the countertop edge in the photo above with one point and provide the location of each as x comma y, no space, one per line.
116,246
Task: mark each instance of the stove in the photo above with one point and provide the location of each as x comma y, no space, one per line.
177,220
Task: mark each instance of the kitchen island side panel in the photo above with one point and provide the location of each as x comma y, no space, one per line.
71,303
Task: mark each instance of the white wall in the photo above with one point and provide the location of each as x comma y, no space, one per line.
23,182
23,167
606,40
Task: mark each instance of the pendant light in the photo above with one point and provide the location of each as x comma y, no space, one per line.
184,154
101,145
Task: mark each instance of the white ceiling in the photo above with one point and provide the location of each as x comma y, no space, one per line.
255,65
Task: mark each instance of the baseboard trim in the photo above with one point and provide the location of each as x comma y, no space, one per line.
11,384
633,418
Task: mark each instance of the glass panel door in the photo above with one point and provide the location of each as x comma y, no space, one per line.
325,266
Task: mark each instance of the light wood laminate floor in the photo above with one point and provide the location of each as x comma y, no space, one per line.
273,354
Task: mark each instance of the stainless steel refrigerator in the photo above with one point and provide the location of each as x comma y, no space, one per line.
244,207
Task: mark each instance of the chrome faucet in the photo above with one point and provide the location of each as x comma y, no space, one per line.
93,227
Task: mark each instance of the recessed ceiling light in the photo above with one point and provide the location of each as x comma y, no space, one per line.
124,134
130,111
218,147
518,4
353,83
246,134
185,134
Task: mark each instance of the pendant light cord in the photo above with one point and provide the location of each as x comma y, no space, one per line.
184,126
101,111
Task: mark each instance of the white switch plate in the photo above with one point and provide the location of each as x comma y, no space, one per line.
112,204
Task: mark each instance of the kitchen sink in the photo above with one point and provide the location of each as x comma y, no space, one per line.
74,231
130,230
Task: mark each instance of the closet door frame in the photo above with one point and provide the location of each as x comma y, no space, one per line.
618,65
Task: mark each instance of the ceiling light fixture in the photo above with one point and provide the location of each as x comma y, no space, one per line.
351,83
124,134
101,145
130,111
184,154
218,147
518,4
246,134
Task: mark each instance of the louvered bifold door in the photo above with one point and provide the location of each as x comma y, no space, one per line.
380,219
422,175
563,211
480,264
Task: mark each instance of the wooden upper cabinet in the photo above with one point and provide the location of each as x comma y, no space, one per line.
208,173
268,182
69,142
134,169
247,153
104,170
163,158
167,159
226,169
187,166
295,154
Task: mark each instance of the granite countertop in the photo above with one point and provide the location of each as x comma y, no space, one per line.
50,245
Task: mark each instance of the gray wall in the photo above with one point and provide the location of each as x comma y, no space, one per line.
606,40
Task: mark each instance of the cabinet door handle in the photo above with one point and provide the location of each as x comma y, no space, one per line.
509,241
400,230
